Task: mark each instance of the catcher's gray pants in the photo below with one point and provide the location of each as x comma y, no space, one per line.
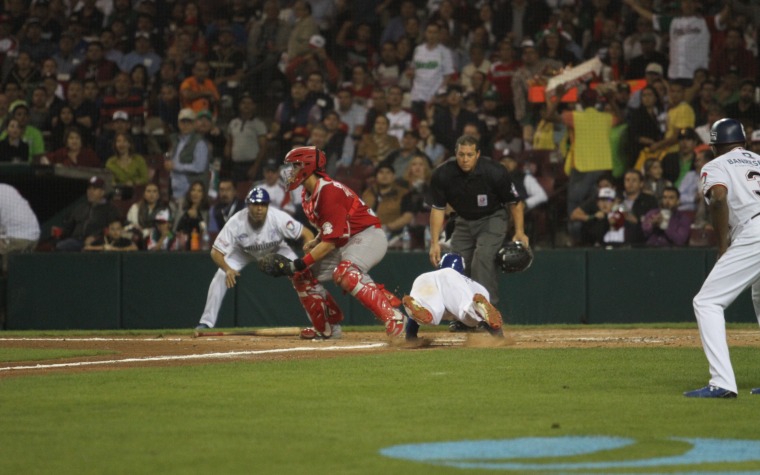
478,241
364,250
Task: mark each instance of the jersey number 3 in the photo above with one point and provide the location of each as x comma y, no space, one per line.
754,175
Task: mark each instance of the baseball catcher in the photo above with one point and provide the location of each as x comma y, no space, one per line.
514,257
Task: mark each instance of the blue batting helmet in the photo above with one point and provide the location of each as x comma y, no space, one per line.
727,131
453,261
257,196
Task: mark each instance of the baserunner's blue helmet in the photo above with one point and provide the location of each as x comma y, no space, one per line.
453,261
727,131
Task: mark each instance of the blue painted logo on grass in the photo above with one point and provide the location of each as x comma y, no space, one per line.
505,454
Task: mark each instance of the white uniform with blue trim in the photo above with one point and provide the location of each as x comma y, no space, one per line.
447,294
241,244
739,172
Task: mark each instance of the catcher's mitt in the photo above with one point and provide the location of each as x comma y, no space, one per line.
514,257
276,265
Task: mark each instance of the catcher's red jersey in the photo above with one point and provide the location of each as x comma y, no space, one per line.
337,212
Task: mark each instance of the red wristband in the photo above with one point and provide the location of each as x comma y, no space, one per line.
308,260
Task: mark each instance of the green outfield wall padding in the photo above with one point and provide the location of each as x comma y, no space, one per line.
168,290
552,290
653,285
64,291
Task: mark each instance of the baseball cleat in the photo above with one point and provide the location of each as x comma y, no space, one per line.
488,312
417,312
711,391
755,391
458,327
337,332
202,326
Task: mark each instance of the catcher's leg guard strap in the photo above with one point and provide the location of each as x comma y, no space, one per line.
316,302
349,278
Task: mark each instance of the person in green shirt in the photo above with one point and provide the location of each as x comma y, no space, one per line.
128,168
31,135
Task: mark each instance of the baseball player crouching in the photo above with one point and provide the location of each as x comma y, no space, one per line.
731,190
447,294
248,235
349,243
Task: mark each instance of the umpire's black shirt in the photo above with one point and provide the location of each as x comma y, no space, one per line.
479,193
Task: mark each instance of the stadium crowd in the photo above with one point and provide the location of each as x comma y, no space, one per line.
190,103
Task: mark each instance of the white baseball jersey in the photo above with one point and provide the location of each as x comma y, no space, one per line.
400,122
446,292
430,68
689,43
738,171
241,243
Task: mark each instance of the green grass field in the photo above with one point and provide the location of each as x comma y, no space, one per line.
334,416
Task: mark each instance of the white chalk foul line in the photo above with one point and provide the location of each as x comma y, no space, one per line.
89,339
229,354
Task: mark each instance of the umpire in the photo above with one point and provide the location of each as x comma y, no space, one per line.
477,190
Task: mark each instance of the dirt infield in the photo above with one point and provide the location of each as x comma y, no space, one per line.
175,350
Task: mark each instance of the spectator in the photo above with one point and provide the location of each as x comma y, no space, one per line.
96,67
377,105
246,141
193,214
688,36
401,120
532,66
601,223
649,55
65,58
432,68
74,154
635,205
141,215
745,109
714,113
110,50
376,146
680,116
521,19
142,54
677,164
227,63
226,205
128,167
31,135
24,73
357,49
395,28
206,127
62,122
315,60
633,44
388,70
304,28
293,117
478,62
19,225
279,195
111,239
590,154
168,107
330,137
388,200
530,191
654,183
552,44
122,99
644,128
429,145
703,102
188,159
199,92
667,226
315,83
733,55
449,121
39,111
87,220
161,237
12,148
401,158
352,114
615,67
119,124
86,113
267,41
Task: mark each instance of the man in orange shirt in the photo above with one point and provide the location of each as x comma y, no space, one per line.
198,92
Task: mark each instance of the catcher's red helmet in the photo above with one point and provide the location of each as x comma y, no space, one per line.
305,161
